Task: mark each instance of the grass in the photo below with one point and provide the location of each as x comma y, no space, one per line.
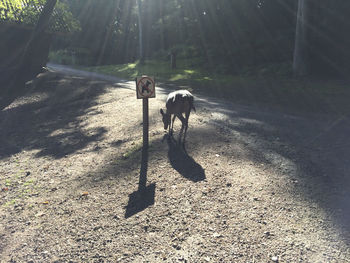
158,69
265,87
133,151
8,182
19,189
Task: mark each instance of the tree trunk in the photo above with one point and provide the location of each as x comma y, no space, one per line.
173,59
161,14
13,84
140,32
26,68
300,47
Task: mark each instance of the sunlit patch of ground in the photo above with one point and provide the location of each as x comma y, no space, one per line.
251,187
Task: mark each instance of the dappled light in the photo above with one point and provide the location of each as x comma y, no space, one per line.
258,153
90,172
50,117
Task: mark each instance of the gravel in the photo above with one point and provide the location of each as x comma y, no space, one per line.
252,186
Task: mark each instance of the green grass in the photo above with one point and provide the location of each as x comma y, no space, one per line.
133,151
29,182
8,182
18,190
10,203
159,69
265,86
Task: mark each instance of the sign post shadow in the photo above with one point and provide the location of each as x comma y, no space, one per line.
144,196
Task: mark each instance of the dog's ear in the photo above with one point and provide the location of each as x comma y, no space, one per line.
161,111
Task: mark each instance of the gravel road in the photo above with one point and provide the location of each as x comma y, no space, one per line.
254,185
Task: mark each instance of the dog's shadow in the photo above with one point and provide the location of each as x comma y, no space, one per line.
182,162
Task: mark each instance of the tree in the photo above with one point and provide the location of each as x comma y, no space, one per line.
227,36
300,48
16,78
27,12
139,16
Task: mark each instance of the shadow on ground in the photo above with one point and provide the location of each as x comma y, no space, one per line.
311,149
179,160
48,118
144,196
183,163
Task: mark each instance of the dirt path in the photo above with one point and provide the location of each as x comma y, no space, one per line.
254,186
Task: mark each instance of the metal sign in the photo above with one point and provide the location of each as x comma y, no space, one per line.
145,87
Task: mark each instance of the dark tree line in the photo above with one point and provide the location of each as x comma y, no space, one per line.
227,35
232,34
329,39
222,35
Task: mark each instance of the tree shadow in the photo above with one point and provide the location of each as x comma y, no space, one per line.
312,150
182,162
48,117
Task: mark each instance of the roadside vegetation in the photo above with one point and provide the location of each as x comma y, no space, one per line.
255,52
271,85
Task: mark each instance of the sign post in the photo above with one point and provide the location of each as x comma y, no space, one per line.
144,196
145,88
144,161
145,121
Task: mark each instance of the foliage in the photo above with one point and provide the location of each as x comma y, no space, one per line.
9,9
228,35
73,56
255,85
28,12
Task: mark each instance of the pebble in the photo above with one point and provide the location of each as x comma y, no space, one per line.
274,259
217,235
40,214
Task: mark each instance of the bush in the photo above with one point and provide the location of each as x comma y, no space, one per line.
76,56
269,70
